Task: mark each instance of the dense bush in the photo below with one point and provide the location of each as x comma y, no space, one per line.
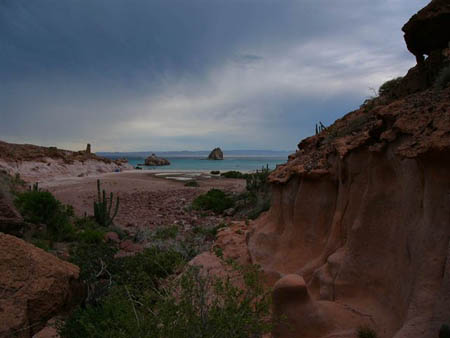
41,207
234,174
215,200
190,306
443,79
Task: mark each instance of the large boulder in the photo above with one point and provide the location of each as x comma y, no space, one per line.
156,161
216,154
429,29
35,286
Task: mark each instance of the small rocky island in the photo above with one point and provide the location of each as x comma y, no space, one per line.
156,161
216,154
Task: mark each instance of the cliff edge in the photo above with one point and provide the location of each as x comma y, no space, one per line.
359,229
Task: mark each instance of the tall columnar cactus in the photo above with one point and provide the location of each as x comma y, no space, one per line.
102,209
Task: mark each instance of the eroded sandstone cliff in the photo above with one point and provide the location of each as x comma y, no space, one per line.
359,228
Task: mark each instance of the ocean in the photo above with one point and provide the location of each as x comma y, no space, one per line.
238,163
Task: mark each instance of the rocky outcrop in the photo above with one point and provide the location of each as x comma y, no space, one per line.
426,33
35,286
359,227
154,160
429,29
35,163
361,212
215,154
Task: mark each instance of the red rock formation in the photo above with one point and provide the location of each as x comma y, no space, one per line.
361,216
35,286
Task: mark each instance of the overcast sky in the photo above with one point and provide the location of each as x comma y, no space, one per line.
130,75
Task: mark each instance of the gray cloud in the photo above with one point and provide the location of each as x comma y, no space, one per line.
176,74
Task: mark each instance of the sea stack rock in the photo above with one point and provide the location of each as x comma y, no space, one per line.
216,154
156,161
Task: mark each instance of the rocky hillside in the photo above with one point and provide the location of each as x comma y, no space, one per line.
359,229
40,163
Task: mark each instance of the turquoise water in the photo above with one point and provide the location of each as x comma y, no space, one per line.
228,163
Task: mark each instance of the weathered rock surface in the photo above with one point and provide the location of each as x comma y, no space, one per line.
154,160
216,154
35,286
362,213
359,226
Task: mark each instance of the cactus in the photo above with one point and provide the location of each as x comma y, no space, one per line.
35,187
102,209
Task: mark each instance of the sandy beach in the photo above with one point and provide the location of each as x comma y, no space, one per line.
147,199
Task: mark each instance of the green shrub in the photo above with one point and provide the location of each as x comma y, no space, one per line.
91,236
192,183
444,331
41,243
180,309
366,332
41,207
228,311
164,233
215,172
443,78
208,233
387,88
215,200
234,174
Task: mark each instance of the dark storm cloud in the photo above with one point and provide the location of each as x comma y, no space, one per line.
165,73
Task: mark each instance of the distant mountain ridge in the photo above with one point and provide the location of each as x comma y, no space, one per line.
199,153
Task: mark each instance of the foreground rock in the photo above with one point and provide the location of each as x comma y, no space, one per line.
215,154
35,286
34,163
156,161
359,223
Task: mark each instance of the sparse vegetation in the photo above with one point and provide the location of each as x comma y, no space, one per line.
215,172
366,332
387,89
164,233
102,209
234,174
443,79
215,200
192,183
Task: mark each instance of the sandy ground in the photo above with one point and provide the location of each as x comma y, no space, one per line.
147,199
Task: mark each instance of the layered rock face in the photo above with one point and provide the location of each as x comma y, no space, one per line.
359,228
35,286
216,154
